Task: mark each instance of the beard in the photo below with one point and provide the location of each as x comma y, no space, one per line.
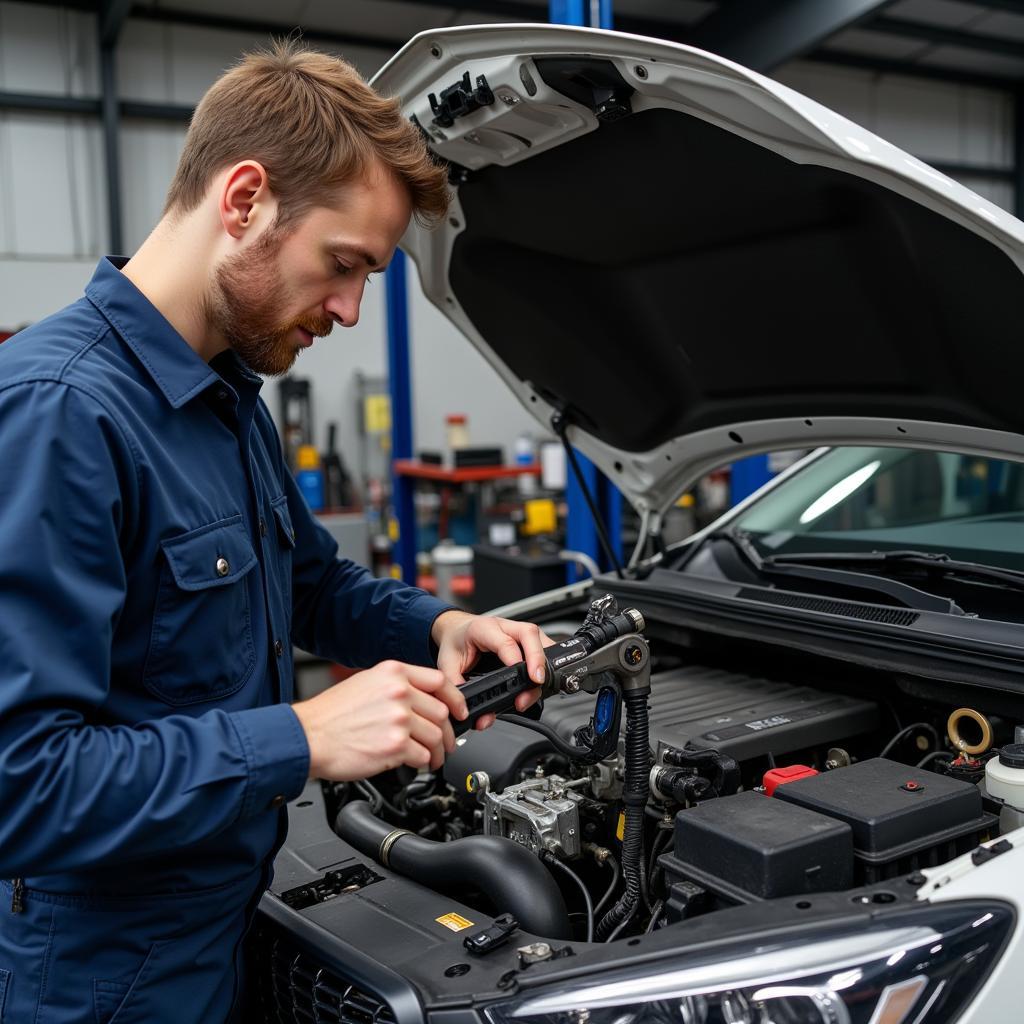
244,306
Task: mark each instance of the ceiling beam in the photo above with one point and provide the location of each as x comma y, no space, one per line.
1011,6
263,28
763,35
92,107
112,15
939,35
519,10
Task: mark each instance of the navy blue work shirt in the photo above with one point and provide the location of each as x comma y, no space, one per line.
156,563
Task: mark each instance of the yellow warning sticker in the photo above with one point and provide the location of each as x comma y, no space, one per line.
620,828
456,922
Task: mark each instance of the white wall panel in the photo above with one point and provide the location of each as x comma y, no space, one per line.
6,188
47,50
32,289
144,61
41,178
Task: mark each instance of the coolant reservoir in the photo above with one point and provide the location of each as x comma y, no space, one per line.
1004,780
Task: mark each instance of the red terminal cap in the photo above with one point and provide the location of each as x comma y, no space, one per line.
775,777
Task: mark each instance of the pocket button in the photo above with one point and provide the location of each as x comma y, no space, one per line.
223,568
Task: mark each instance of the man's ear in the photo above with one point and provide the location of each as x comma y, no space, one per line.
246,201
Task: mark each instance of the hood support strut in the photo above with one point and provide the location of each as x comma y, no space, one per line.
560,424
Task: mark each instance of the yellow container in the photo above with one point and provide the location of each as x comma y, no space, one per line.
307,457
541,517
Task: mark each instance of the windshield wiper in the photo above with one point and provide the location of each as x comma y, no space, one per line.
931,561
779,565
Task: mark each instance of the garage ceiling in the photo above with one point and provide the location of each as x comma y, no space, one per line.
978,41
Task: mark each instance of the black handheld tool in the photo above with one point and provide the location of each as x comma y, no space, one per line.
495,692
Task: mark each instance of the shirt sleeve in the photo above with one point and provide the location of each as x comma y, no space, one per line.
75,791
343,612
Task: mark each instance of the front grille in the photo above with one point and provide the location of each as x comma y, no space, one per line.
869,613
295,988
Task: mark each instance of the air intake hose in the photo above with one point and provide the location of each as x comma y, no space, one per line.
512,877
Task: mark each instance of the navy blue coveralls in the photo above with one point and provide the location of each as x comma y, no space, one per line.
156,563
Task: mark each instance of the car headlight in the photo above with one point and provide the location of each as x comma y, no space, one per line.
916,966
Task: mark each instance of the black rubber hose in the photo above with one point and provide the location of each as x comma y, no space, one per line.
512,877
635,791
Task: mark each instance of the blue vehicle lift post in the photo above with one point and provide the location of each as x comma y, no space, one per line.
400,385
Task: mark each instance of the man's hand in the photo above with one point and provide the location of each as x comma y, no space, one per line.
389,715
461,638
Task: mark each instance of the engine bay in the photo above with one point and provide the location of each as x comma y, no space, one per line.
803,778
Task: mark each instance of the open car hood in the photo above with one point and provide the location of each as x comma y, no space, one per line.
696,263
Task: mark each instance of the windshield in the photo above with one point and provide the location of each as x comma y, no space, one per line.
886,499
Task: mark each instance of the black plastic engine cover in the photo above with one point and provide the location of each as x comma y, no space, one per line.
740,715
502,751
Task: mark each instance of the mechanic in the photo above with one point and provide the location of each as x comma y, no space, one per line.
157,561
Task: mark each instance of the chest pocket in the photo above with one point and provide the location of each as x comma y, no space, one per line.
201,644
285,545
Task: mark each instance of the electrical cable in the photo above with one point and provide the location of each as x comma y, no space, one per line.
623,923
552,861
934,754
616,875
558,422
655,914
377,799
908,729
635,792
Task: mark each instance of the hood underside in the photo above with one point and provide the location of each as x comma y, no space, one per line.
696,263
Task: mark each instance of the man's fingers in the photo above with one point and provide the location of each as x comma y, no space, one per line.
527,635
450,665
527,699
430,737
435,711
415,755
433,681
485,721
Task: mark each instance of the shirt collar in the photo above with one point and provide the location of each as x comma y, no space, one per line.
176,368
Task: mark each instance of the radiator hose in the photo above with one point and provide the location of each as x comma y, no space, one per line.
513,878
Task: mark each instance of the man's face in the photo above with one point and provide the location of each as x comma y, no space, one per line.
286,287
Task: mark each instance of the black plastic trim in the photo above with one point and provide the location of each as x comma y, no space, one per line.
347,959
996,662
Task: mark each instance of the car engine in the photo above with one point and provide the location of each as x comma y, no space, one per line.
740,787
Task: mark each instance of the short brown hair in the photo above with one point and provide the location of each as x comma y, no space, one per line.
314,124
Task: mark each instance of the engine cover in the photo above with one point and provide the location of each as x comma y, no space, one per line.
503,752
740,715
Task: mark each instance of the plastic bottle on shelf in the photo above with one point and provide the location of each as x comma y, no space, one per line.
456,429
525,456
310,477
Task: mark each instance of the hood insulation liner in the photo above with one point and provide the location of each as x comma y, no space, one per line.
661,276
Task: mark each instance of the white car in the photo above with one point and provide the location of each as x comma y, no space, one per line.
676,262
